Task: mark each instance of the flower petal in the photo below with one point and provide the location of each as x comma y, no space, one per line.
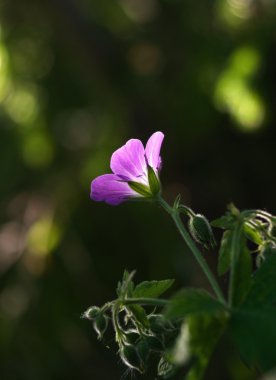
111,189
153,150
129,162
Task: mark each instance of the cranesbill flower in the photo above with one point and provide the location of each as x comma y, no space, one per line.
135,172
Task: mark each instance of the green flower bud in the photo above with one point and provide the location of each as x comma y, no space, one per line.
130,337
201,230
131,358
143,350
92,313
100,325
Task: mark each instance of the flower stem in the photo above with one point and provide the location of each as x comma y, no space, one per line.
190,243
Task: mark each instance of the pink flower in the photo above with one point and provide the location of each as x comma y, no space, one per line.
135,172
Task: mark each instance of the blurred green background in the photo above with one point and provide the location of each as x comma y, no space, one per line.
77,79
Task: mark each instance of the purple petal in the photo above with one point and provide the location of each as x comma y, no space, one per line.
153,150
111,189
129,162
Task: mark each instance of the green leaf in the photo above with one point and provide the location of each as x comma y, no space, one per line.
225,252
204,332
254,332
263,289
243,280
151,289
192,301
225,222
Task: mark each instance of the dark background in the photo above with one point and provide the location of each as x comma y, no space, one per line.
77,79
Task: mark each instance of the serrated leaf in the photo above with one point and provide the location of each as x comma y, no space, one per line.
225,222
263,289
192,301
151,289
225,252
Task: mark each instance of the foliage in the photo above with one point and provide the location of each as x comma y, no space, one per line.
193,321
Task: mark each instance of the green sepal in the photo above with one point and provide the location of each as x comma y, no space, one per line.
252,233
140,189
92,313
131,358
177,202
154,182
100,325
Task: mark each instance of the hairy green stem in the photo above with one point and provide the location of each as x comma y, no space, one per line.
190,243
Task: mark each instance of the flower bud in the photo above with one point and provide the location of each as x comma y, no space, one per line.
201,230
131,358
100,325
92,313
143,350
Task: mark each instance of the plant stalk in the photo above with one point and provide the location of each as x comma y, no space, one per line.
190,243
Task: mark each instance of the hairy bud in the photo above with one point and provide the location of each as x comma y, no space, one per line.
92,313
131,358
201,230
100,325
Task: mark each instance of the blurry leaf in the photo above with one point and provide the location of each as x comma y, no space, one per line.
254,332
192,301
205,331
139,314
263,290
243,271
225,222
151,289
225,252
252,233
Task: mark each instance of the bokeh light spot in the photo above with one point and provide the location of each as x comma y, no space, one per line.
22,106
37,149
43,236
234,92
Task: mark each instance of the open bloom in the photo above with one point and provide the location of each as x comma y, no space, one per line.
135,172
